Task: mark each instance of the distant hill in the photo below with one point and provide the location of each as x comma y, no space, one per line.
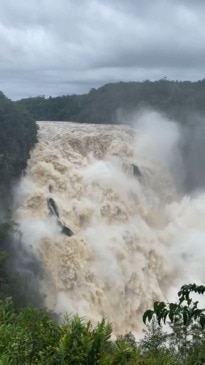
176,99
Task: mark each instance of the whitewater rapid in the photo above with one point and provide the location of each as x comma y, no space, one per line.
136,239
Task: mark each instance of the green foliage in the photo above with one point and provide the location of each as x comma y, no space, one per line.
27,337
11,282
154,347
186,322
125,351
186,311
4,228
104,105
4,277
18,134
31,337
80,343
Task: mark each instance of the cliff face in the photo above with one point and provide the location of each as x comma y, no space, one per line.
18,135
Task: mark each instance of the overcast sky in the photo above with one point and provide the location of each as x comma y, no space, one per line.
56,47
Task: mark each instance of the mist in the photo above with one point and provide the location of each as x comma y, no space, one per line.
182,141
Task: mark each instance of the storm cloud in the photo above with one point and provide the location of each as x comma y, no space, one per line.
50,47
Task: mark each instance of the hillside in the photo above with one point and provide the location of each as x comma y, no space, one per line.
108,104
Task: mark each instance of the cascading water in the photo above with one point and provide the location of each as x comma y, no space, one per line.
132,237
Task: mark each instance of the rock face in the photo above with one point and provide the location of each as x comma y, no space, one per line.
136,171
67,231
53,210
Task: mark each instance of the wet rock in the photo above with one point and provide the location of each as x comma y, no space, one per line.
53,209
67,231
136,170
50,188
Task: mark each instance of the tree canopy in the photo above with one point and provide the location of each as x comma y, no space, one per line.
18,134
31,336
177,99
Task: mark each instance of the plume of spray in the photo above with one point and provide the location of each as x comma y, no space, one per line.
135,237
193,152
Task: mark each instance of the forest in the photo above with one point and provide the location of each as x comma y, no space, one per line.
114,103
29,333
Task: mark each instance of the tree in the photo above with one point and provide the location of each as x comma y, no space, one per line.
185,318
185,311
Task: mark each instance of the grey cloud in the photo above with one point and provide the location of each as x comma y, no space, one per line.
68,46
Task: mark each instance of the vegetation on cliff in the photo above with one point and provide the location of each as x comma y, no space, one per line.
18,135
